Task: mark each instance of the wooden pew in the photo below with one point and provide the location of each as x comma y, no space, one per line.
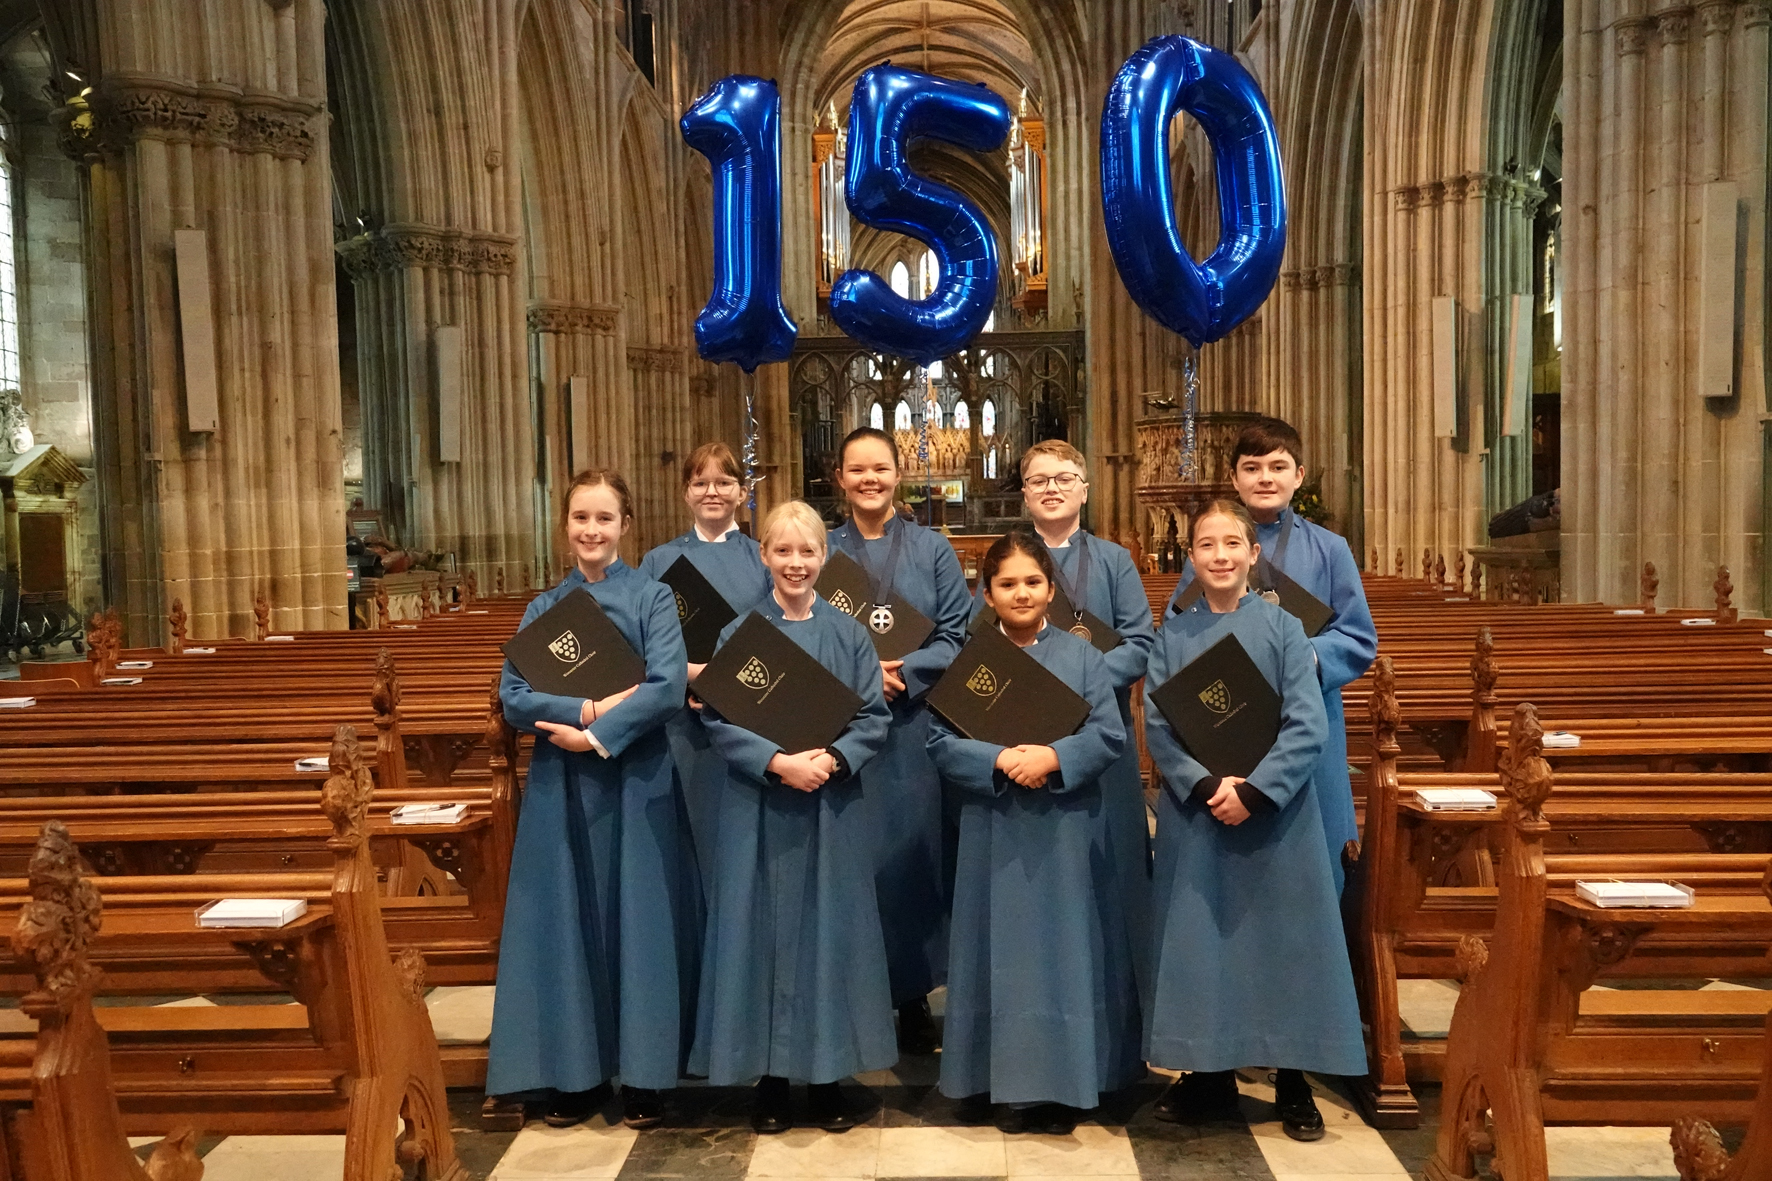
58,1113
1530,1045
355,1054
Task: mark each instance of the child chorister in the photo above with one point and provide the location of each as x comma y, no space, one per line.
1251,962
1041,1015
795,983
597,967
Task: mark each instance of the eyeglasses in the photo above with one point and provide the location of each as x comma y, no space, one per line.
702,487
1063,481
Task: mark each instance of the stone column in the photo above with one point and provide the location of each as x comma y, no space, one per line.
211,118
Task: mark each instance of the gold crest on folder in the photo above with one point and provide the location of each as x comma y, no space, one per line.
982,682
565,649
1216,697
754,674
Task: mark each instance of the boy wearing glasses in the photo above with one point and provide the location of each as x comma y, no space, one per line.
1268,468
1100,578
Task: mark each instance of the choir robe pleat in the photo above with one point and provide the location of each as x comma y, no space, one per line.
598,968
1251,961
1040,1007
794,980
1115,594
735,567
1320,562
913,833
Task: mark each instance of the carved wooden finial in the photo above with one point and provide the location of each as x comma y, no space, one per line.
384,694
58,922
1650,585
1725,589
176,619
1459,569
1374,566
381,606
1525,775
1698,1150
1387,715
1470,959
261,614
409,975
1400,566
526,580
1439,569
95,642
498,582
345,797
1484,670
1427,562
1476,580
470,588
175,1157
113,631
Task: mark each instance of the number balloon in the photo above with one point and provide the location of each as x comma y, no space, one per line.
737,126
891,107
1201,301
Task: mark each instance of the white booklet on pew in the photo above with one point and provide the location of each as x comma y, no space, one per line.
17,702
135,664
1561,740
251,912
428,813
279,639
1699,622
199,652
314,763
1455,799
1641,894
121,681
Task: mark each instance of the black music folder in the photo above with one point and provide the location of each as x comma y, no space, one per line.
1222,709
573,650
897,630
994,692
1309,610
761,680
702,610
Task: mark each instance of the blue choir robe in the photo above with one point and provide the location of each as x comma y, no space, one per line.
1041,1006
1116,595
598,966
1320,562
1251,962
794,967
735,567
912,860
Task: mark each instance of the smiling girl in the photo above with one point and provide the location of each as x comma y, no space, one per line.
1251,962
795,980
906,563
597,970
1041,1015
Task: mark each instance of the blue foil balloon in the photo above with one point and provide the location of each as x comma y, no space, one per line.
891,107
1201,301
737,126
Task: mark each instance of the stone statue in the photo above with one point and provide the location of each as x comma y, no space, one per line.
15,425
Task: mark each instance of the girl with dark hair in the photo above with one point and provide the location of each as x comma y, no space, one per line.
909,564
598,964
1040,1017
1251,962
733,563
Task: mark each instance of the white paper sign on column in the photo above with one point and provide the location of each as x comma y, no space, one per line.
196,324
447,359
1444,320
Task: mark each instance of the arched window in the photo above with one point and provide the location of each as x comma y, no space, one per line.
933,410
990,461
901,416
935,371
876,417
928,274
962,417
9,362
990,322
987,419
901,280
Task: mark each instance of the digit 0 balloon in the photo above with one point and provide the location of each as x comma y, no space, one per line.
737,126
1202,301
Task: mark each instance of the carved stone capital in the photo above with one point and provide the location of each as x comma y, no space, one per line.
1756,12
574,319
126,108
1717,17
1630,36
1671,26
1408,196
401,245
659,359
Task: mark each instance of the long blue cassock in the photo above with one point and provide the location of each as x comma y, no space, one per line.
1040,1007
1322,564
1116,595
735,567
1251,962
599,961
794,979
902,790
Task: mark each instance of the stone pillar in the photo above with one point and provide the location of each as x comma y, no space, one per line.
211,118
1660,101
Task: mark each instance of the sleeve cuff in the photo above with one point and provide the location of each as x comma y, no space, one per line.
1205,789
1253,799
596,745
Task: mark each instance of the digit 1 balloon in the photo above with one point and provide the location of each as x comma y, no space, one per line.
1201,301
737,126
891,107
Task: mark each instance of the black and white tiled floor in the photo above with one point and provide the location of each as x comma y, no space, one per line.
912,1133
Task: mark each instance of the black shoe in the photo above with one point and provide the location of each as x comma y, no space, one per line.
1017,1121
770,1112
1056,1119
1296,1106
916,1028
641,1107
566,1108
825,1108
1205,1096
974,1109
